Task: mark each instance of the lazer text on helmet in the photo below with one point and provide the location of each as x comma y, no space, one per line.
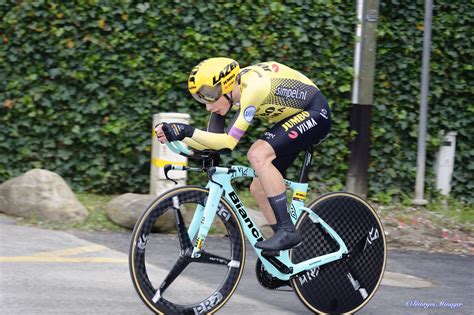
225,72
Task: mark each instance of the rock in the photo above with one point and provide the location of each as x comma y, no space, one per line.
43,195
125,209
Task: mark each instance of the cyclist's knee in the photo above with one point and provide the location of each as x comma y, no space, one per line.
260,154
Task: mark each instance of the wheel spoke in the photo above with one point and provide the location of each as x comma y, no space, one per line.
357,286
358,248
183,235
177,269
209,258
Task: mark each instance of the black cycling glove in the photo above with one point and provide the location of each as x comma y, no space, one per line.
177,131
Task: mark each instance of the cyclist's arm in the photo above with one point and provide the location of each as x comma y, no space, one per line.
225,140
193,144
251,98
215,124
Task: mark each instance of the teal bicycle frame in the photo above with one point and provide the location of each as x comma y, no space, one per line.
219,186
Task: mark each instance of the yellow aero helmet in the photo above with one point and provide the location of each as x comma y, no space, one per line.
212,78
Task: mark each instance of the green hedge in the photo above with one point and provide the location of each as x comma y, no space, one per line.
395,126
80,82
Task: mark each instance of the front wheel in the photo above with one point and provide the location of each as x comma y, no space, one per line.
166,276
346,285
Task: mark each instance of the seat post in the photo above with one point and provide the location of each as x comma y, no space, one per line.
308,158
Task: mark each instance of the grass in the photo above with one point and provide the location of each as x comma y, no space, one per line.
439,214
444,208
457,211
460,212
97,220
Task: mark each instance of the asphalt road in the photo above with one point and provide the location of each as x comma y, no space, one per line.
55,272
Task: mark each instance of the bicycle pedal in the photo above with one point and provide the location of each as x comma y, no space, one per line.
270,253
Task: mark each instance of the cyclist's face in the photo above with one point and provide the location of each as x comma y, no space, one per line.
221,106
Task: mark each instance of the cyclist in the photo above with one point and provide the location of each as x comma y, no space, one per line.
272,92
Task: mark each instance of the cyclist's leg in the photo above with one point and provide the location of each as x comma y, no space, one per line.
281,163
261,155
287,138
259,195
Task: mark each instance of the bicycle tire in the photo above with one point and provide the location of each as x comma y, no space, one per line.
329,289
142,239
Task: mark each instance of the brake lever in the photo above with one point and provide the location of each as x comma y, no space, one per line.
167,169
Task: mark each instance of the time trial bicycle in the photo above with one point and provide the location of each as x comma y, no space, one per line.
337,268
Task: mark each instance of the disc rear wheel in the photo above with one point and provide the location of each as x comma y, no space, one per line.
346,285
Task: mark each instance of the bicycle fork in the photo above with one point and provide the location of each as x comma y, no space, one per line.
204,221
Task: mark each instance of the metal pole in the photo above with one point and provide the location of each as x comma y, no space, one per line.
425,77
364,52
362,95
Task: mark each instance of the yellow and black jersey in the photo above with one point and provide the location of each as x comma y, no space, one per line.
269,91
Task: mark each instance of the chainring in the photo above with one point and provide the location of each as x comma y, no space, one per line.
266,280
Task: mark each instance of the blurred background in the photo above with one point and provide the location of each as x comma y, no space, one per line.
80,82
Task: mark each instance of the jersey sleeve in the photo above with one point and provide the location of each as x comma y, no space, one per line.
233,134
253,93
193,144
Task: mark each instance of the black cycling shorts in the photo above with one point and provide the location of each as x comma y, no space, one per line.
298,132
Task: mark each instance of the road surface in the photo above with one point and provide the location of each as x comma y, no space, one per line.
75,272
